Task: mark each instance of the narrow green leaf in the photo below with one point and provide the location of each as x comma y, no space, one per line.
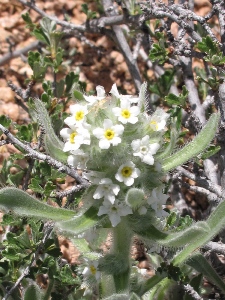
151,283
33,292
176,239
199,143
20,203
80,223
53,144
199,263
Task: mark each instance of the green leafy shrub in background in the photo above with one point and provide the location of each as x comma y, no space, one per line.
121,150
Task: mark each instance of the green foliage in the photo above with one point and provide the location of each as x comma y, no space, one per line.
162,86
159,52
172,272
180,100
5,121
89,13
213,53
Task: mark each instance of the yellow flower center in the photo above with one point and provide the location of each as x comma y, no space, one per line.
126,171
72,137
109,134
113,208
143,149
93,270
79,115
125,113
154,124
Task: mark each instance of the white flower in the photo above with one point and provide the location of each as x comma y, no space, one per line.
78,159
127,172
115,93
109,134
114,211
93,176
126,113
145,150
157,200
100,95
158,120
74,137
106,189
78,115
92,269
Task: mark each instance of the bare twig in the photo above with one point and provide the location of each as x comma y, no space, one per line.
203,182
190,291
28,173
210,196
24,94
123,45
7,57
216,247
69,192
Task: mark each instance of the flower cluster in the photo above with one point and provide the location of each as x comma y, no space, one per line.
118,143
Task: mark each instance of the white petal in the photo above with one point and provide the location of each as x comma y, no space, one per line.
135,110
125,104
136,145
136,172
123,120
104,144
72,160
145,140
105,181
100,91
132,120
115,219
65,133
98,132
128,181
107,123
118,129
114,91
154,148
70,121
98,194
103,210
116,189
110,198
117,111
148,159
119,177
116,140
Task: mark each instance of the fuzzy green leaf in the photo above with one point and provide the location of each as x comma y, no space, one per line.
199,143
80,223
20,203
53,144
176,239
